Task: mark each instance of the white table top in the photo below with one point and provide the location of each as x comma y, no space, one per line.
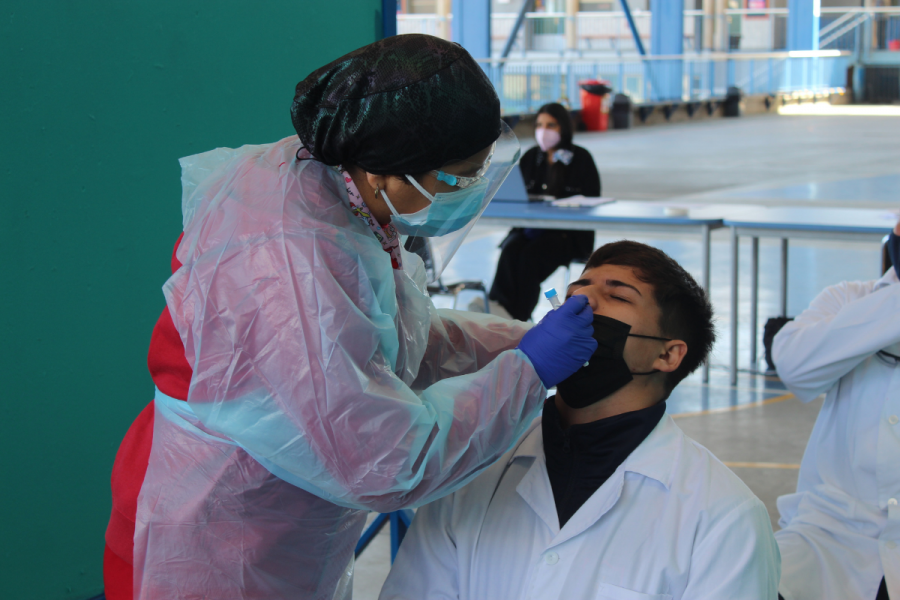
620,211
834,220
744,216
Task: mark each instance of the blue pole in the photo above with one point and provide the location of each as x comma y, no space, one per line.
559,82
400,521
634,31
528,88
789,75
667,38
370,532
647,90
571,90
388,18
803,24
690,79
520,18
472,26
752,75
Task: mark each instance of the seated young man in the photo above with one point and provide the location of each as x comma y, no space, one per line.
604,497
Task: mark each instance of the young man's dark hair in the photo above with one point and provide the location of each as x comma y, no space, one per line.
685,310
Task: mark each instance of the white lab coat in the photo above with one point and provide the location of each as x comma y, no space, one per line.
841,529
672,522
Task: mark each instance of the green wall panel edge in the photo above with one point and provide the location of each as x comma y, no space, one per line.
99,100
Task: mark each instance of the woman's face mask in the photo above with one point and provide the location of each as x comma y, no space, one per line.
547,138
448,211
606,372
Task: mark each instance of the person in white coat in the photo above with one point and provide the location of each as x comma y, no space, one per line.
840,532
605,497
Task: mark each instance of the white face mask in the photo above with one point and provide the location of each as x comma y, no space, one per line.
546,138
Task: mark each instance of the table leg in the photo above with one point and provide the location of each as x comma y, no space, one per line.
705,281
705,258
754,299
784,276
732,364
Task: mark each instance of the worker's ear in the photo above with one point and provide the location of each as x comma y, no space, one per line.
376,181
671,356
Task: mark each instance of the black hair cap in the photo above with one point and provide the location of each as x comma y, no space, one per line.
405,104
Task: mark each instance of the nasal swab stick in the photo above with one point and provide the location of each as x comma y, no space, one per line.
553,297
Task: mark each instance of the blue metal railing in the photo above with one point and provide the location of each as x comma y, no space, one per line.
524,85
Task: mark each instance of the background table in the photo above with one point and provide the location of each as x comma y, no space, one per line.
623,216
849,224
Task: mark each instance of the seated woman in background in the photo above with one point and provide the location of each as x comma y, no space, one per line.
558,168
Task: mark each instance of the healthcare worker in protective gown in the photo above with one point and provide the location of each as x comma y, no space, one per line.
303,375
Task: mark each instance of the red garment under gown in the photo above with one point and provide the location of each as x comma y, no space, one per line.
172,375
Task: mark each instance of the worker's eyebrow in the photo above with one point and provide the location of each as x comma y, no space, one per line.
609,282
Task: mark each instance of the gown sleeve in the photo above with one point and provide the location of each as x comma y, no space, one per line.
462,342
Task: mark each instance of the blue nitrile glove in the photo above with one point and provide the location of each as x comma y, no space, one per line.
562,342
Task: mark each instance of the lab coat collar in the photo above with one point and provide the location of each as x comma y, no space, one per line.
656,458
887,279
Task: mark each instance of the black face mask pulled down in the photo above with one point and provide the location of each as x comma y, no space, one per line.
607,370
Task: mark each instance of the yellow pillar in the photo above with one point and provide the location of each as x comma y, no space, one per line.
572,24
870,27
443,19
719,25
709,18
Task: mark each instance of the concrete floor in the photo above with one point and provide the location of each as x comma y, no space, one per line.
715,160
755,427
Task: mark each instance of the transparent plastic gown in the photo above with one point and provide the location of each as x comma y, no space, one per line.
325,384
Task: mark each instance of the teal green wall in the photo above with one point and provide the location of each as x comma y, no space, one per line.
98,100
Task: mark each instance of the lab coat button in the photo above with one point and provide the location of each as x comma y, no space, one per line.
892,502
551,558
890,545
893,419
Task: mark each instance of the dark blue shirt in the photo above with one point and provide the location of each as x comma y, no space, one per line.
581,458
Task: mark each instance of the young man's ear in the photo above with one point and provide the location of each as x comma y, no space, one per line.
671,356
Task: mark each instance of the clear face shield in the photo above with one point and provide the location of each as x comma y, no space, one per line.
459,192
